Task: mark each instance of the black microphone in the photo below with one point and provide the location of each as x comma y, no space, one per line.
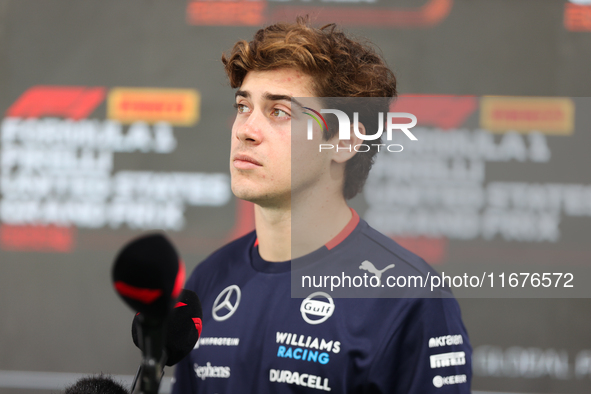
183,329
149,276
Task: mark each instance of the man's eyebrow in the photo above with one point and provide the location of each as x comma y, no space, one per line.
276,97
242,93
279,97
270,97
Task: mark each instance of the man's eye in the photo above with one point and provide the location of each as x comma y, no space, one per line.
242,108
279,113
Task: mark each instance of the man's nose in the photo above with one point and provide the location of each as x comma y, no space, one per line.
252,129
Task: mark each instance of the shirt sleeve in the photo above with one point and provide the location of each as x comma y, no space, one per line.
429,353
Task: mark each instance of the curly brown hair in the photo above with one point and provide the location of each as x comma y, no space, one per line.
338,65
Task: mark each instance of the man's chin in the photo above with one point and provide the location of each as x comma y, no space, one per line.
261,198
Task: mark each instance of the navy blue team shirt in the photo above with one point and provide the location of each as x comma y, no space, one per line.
256,338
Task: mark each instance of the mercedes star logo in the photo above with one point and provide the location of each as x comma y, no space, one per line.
226,303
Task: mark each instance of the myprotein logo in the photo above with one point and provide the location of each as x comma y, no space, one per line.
312,307
217,341
345,129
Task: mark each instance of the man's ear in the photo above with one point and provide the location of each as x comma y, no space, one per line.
345,149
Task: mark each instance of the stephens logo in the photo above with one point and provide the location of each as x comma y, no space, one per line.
208,371
345,129
313,307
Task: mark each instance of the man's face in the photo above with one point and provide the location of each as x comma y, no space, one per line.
260,159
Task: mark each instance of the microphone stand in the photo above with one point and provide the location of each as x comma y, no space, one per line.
151,334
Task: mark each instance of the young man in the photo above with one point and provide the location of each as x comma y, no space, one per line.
256,338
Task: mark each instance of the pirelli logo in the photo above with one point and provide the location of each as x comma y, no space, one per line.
548,115
179,107
447,359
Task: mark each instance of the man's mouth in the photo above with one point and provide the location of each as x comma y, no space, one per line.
244,162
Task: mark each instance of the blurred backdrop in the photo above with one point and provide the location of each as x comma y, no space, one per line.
117,118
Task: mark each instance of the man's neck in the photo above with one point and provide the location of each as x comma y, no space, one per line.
273,227
289,233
